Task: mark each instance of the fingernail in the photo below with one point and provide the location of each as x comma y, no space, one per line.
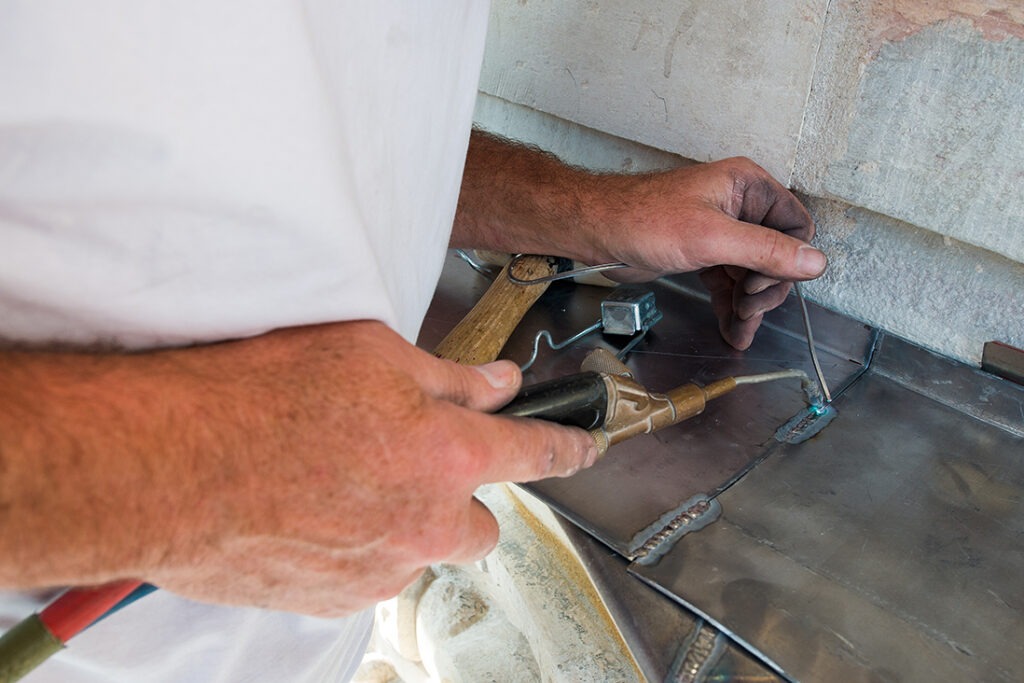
757,284
810,262
498,375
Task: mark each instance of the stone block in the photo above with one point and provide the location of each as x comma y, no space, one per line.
702,78
942,294
917,113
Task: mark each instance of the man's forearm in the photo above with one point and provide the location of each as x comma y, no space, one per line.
77,459
519,199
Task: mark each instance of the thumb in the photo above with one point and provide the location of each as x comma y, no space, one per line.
478,387
761,249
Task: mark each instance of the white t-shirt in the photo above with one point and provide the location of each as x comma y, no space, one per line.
196,170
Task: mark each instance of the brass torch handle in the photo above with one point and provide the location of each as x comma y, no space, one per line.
482,334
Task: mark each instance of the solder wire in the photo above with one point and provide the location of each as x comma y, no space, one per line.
806,383
565,275
810,343
544,334
771,376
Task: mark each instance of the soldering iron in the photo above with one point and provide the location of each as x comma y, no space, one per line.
607,401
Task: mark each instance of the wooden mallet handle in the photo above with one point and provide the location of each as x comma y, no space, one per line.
484,331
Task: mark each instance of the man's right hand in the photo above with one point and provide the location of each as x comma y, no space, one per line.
315,469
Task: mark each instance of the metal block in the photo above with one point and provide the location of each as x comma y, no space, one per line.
1004,361
629,311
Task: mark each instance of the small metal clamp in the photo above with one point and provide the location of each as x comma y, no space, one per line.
627,311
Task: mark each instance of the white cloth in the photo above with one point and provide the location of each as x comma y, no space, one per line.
196,170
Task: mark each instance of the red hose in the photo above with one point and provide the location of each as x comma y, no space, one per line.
77,608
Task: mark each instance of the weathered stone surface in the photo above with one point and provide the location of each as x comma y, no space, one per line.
924,123
935,291
568,141
703,79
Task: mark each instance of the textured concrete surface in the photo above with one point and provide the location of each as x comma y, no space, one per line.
699,78
940,293
917,113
